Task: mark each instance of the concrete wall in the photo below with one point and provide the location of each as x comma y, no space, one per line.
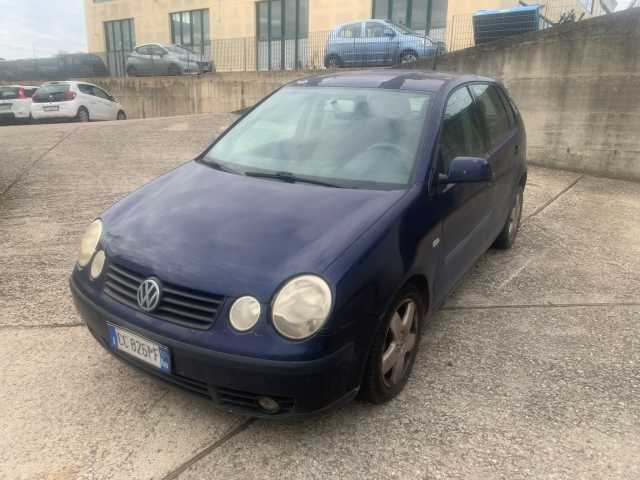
578,87
165,96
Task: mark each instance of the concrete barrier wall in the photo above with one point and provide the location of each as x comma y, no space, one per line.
145,97
578,88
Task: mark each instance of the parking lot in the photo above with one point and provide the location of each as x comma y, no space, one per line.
530,370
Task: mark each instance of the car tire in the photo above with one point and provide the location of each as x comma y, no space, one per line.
131,71
386,372
83,115
121,115
408,57
507,236
173,69
333,61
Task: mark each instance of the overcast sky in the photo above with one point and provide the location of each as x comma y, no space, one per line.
44,26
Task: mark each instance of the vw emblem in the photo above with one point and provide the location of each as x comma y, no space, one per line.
148,295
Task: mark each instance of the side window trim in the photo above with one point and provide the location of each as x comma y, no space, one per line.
508,106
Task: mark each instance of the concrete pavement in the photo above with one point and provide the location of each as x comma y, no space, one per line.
529,371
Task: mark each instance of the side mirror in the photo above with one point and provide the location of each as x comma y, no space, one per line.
389,33
467,170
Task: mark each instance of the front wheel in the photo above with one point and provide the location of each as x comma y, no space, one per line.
394,348
174,69
507,236
122,115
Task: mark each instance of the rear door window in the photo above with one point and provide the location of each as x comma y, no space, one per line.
146,50
352,30
492,112
374,30
461,132
511,115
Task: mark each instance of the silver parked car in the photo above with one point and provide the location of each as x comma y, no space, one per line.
158,59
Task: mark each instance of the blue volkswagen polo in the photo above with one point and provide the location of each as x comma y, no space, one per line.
290,266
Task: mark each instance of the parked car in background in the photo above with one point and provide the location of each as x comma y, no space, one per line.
75,100
61,67
368,43
158,59
15,102
292,264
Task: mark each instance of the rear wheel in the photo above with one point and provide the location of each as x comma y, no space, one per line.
174,69
408,57
332,61
122,115
394,348
83,115
131,71
507,236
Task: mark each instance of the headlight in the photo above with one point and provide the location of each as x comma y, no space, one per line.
244,313
97,264
301,307
89,243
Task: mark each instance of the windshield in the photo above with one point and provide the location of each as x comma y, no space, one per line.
178,50
403,29
350,137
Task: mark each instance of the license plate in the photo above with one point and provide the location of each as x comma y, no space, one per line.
139,347
51,109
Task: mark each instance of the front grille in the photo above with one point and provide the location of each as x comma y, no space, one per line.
249,401
177,305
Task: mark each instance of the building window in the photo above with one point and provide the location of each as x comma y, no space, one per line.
281,28
120,39
191,29
421,15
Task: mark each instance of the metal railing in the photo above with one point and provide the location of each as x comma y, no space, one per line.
317,50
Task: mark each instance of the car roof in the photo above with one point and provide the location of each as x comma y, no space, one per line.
149,45
19,86
69,82
391,78
381,20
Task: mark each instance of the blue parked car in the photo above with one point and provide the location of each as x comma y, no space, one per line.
292,264
369,43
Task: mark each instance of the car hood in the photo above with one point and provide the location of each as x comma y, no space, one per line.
232,235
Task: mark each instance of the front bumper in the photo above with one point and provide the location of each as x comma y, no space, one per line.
234,382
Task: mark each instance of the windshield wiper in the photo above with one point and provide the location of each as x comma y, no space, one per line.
290,177
221,167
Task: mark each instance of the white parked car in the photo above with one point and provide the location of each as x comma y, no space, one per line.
75,100
15,102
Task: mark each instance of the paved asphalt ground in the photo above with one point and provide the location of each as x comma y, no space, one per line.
531,370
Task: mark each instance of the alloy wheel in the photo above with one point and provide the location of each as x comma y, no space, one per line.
408,58
400,343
